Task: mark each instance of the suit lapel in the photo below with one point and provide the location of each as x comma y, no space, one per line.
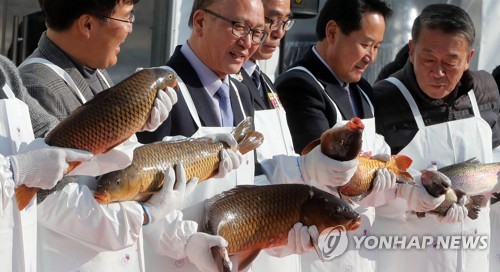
235,104
258,101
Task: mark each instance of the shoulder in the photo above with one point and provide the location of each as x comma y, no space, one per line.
482,83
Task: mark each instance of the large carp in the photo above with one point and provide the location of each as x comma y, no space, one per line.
252,218
144,177
108,119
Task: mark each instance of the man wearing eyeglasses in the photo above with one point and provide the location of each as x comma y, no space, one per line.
83,38
225,34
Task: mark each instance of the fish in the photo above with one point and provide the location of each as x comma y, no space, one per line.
436,184
107,120
144,176
361,182
341,143
473,177
252,218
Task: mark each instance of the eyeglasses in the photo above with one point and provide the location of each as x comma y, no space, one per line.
131,20
241,30
277,24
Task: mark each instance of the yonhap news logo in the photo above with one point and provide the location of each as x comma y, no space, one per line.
333,242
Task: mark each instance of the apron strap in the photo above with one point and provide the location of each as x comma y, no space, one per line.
99,73
60,72
473,102
239,99
8,91
413,105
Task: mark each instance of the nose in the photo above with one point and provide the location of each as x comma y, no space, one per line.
437,70
278,33
246,41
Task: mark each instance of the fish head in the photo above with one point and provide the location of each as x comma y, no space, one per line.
118,185
344,142
435,182
166,78
325,210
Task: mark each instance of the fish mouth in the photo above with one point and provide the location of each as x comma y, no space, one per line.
356,124
354,224
102,197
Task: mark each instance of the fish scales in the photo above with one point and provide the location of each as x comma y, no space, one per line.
473,177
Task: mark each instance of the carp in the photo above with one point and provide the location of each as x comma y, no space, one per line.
252,218
108,119
144,177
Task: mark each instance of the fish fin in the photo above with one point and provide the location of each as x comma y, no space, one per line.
310,146
24,194
405,178
250,141
243,128
246,258
403,162
473,206
473,160
144,196
420,214
220,262
495,198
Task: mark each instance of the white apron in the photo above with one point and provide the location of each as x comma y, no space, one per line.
194,204
443,144
52,246
18,233
352,260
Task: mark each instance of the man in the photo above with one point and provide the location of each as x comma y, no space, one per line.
325,88
40,168
437,112
225,34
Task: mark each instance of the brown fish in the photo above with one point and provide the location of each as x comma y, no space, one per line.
361,182
107,120
436,184
341,143
144,177
252,218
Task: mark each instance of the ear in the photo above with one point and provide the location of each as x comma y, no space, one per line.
330,31
85,24
198,21
411,48
469,57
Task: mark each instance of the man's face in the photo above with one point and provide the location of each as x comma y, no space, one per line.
349,55
274,10
224,53
439,60
106,38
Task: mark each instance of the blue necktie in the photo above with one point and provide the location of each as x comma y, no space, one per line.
222,96
257,81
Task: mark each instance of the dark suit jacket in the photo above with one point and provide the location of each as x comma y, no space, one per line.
308,109
259,103
179,121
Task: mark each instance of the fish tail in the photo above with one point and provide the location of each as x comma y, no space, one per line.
251,141
495,198
403,162
218,254
405,178
24,194
243,128
473,206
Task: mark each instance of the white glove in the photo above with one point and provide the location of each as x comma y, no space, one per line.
299,241
456,213
198,250
417,198
384,180
163,104
318,167
230,159
228,138
43,168
170,197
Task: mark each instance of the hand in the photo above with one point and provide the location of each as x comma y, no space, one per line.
417,197
198,250
228,138
230,160
318,167
43,168
163,104
299,241
170,198
456,213
384,180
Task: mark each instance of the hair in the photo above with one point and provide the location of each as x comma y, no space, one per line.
448,18
200,4
348,14
60,14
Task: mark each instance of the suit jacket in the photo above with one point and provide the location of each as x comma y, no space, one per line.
51,91
179,121
259,103
308,108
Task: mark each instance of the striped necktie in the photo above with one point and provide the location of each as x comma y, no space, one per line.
222,96
257,81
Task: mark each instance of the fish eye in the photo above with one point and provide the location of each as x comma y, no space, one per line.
170,76
341,142
118,182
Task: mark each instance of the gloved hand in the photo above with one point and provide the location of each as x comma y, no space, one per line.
456,213
384,180
318,167
417,198
230,159
163,104
299,241
170,197
43,168
198,251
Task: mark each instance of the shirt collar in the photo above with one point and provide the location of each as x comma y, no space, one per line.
211,82
342,83
250,67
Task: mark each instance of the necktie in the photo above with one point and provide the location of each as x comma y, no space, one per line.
256,80
222,96
353,105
